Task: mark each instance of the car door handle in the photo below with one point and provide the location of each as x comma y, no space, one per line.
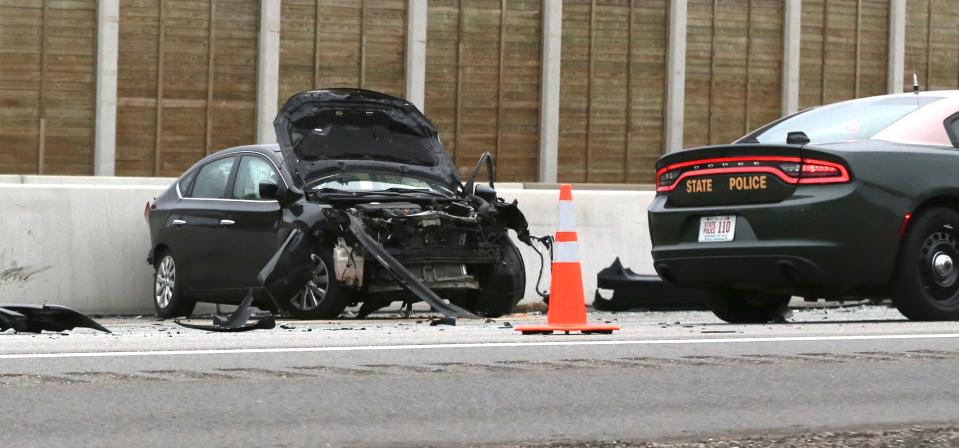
178,222
227,222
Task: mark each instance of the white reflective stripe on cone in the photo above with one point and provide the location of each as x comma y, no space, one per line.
567,223
566,252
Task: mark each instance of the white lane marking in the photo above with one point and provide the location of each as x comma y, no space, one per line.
364,348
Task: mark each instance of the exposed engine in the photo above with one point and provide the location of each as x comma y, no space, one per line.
442,244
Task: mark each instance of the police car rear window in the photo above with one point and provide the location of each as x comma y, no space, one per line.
850,120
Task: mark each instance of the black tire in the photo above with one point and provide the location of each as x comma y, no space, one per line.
926,285
503,285
168,298
737,307
314,301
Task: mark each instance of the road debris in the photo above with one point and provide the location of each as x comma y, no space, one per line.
37,318
635,291
236,322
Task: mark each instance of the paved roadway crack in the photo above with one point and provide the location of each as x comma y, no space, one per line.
24,379
190,374
337,370
265,373
112,377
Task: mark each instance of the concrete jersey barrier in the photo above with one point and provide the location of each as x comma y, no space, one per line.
82,241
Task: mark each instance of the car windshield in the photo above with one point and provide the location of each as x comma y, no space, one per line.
850,120
372,182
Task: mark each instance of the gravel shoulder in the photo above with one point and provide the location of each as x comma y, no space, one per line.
915,436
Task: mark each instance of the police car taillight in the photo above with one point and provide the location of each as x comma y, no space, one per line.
667,178
816,172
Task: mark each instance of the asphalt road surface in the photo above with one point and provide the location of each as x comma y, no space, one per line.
666,377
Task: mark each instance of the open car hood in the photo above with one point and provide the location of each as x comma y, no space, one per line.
322,132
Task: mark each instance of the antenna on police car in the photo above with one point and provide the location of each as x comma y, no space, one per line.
915,83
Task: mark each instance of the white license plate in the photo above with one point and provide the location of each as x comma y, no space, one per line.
717,228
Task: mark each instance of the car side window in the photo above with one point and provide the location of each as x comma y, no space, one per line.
253,171
185,181
212,178
952,128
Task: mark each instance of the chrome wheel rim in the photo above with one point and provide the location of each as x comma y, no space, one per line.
164,282
937,269
942,264
315,290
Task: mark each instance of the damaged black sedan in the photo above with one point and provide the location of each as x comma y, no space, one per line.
358,204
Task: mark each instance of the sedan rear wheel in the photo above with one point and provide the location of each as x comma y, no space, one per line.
167,298
322,297
737,307
927,282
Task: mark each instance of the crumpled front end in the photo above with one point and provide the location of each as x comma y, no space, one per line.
409,249
442,245
384,216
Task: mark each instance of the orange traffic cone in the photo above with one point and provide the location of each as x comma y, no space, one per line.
567,304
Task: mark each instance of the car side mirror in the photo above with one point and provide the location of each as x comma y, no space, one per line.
485,191
269,190
797,138
471,187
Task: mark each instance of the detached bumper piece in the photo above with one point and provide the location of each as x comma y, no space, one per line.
236,322
37,318
640,291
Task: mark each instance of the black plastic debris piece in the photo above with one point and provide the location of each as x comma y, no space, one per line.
11,319
369,307
632,291
237,321
37,318
265,323
442,321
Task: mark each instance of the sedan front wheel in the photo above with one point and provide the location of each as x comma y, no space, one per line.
322,297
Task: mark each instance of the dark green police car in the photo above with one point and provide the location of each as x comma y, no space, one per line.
850,200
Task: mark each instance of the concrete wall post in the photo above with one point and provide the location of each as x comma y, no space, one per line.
268,70
105,131
549,91
416,18
792,43
897,46
676,76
